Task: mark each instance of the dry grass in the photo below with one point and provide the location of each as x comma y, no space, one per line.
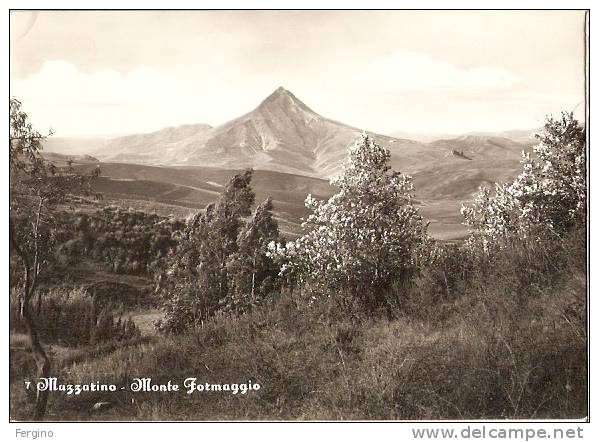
308,369
495,341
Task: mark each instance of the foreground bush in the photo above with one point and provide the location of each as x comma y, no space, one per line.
545,201
503,348
518,273
71,316
125,241
365,237
220,263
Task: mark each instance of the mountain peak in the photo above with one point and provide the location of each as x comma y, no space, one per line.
278,93
285,99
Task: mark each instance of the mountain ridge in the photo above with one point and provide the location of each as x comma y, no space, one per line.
283,134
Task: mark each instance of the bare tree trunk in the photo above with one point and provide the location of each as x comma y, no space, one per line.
253,277
31,272
290,285
26,268
41,360
446,285
38,307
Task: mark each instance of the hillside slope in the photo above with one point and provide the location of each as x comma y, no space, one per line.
282,134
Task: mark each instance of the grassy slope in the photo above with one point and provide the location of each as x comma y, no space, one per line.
440,189
180,191
486,359
499,342
308,369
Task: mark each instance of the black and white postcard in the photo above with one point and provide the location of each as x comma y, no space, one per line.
299,215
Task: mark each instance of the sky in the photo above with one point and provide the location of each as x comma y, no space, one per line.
107,73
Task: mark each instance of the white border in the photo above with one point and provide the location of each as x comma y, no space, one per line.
264,431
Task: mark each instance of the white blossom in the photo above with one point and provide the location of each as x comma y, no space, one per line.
364,235
547,196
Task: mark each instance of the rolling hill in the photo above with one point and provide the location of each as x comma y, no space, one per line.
282,134
482,146
183,190
62,159
526,137
158,147
293,151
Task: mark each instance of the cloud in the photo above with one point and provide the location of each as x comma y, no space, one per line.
405,91
62,83
414,71
107,101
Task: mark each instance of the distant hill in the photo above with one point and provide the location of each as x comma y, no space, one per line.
526,137
282,134
422,137
72,146
62,159
481,146
160,147
293,151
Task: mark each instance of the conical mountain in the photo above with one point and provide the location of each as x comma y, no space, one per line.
282,134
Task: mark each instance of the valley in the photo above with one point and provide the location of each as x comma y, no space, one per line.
294,151
179,192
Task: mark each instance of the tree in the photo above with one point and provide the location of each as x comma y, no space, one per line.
253,273
547,198
364,237
223,225
36,189
194,280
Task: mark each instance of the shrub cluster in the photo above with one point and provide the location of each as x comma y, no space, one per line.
221,262
72,317
363,239
126,241
545,201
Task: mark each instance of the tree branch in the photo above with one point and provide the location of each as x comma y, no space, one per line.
36,262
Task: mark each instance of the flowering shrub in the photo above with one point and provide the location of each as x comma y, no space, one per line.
365,236
547,198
